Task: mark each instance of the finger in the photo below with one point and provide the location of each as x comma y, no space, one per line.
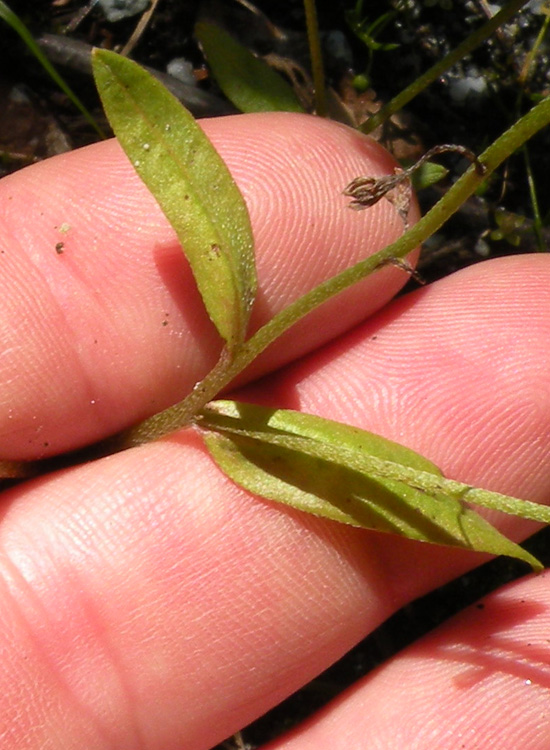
481,680
149,574
101,322
457,371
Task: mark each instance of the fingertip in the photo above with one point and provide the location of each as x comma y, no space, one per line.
292,170
481,678
101,322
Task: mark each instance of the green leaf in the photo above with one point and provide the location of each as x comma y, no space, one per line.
190,182
428,174
246,80
366,31
348,475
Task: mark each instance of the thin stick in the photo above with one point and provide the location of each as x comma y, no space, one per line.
316,56
140,28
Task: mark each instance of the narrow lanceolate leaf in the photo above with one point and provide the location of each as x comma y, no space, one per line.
352,476
190,182
246,80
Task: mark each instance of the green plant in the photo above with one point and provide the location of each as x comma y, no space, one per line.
508,226
367,31
7,15
447,62
317,68
238,71
247,81
253,86
181,168
381,485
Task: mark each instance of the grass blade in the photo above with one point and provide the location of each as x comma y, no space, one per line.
19,27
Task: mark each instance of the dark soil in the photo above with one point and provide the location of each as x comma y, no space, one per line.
470,105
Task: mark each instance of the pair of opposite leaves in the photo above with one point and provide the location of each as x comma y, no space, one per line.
319,466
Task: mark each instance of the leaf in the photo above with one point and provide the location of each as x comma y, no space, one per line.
366,31
347,475
428,174
191,184
246,80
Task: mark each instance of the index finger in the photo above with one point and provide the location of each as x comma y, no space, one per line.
101,322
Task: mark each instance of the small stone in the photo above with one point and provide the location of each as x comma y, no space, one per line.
116,10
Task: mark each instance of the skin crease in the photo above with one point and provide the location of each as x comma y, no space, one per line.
147,602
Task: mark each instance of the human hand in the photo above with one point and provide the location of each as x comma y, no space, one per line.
147,602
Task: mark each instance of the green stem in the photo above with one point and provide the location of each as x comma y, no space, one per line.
316,57
530,59
469,44
429,482
537,218
181,414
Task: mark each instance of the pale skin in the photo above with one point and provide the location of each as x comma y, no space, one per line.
147,602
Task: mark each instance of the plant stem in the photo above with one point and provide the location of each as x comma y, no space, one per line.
469,44
537,218
524,76
429,482
527,68
181,414
316,58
